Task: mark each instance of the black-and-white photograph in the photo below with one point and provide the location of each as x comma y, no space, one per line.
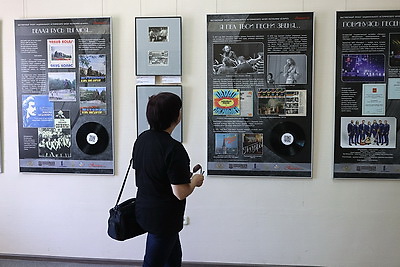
239,58
158,58
158,34
54,143
62,119
287,69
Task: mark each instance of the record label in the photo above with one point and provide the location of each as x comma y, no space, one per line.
92,138
287,138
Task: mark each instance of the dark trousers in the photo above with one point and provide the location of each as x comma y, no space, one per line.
163,251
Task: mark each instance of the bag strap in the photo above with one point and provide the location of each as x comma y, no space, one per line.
123,184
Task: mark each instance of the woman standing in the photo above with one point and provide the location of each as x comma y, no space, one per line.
290,71
164,181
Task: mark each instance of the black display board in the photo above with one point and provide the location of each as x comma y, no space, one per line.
64,95
367,94
259,86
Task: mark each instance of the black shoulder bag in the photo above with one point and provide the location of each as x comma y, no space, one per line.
122,224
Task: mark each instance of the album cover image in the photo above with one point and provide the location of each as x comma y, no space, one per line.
363,68
271,102
287,69
394,49
54,143
92,68
246,103
158,58
92,100
226,143
62,119
61,53
62,86
158,34
226,102
368,132
252,144
37,111
238,58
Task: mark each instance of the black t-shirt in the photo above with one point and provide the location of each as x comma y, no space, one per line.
159,161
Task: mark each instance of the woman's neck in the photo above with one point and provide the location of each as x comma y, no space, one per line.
171,128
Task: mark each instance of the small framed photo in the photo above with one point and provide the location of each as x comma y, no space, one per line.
158,43
143,93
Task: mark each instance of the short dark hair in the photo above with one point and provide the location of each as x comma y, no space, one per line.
163,110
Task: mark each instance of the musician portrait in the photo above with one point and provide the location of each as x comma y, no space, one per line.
288,68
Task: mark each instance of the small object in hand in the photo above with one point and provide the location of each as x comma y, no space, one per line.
197,167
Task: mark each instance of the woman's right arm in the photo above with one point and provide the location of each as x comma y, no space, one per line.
182,191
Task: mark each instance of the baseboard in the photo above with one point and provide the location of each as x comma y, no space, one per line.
131,263
104,262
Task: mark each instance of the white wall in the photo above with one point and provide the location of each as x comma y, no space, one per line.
317,221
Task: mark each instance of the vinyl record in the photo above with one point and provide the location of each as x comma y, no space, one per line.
92,138
287,138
